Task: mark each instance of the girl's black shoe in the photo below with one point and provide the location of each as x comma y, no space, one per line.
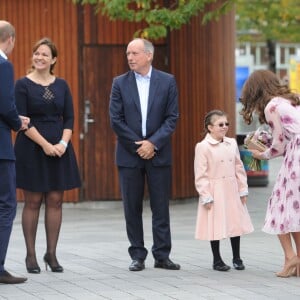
238,264
220,266
52,263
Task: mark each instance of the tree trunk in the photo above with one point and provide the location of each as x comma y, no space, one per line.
271,55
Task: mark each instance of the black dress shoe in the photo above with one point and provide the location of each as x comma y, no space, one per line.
137,265
7,278
166,264
220,266
238,264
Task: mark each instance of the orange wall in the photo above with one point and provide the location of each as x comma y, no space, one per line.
200,57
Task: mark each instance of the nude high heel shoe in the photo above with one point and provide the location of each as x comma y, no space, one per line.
293,272
292,267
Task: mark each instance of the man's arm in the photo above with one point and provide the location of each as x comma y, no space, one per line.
8,111
126,135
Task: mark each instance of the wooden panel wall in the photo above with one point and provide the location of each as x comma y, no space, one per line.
57,19
202,59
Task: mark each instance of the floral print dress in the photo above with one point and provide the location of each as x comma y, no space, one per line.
283,211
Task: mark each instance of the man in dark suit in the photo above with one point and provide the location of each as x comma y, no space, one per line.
143,113
9,119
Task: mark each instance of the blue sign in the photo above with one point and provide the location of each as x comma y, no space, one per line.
241,74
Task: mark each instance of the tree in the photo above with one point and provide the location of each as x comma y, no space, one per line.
159,15
270,21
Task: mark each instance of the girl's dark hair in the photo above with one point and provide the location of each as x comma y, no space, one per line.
208,117
46,41
258,90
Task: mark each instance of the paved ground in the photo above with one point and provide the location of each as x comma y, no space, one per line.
93,251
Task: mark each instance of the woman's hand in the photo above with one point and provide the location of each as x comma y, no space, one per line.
256,154
50,150
61,149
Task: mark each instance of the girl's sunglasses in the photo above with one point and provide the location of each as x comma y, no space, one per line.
222,124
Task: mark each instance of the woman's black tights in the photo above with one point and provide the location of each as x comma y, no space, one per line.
235,245
53,219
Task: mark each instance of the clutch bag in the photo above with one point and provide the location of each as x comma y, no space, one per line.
254,144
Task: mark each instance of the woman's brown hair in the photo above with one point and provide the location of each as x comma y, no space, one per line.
258,90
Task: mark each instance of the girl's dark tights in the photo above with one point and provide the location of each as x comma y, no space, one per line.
235,245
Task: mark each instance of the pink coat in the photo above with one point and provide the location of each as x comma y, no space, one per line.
220,178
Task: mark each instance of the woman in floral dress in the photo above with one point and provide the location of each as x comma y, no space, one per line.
277,106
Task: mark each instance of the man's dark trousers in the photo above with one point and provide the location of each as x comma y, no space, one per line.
8,205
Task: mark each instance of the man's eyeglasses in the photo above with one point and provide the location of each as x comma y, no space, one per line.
222,124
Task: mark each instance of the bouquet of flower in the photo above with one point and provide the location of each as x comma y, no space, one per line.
260,140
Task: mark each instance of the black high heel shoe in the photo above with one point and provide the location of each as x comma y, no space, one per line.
52,263
33,269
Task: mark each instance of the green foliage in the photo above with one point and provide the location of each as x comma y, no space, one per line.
276,20
158,17
224,8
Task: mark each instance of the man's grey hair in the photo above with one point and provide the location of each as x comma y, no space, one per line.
148,46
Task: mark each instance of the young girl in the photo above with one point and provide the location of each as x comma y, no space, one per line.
221,182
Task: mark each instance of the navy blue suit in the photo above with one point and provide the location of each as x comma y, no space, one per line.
9,119
126,121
